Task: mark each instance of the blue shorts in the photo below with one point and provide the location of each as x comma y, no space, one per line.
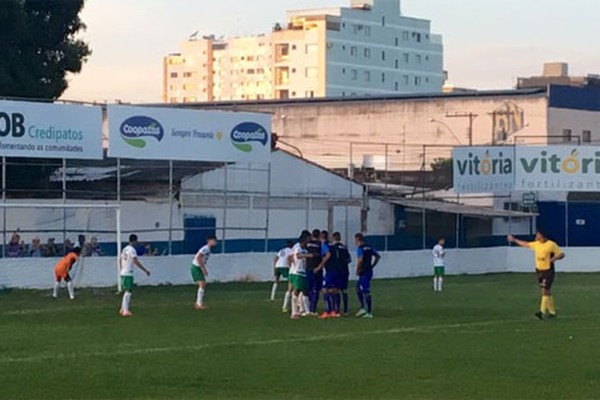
364,281
332,280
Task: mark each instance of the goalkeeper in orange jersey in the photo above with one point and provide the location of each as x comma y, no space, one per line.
61,272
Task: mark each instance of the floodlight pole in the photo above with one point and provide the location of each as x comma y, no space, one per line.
3,208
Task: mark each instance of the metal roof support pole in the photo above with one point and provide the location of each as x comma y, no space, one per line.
170,207
567,221
458,223
387,178
64,200
3,208
225,200
424,225
268,211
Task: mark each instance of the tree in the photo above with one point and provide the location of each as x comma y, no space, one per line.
39,46
442,172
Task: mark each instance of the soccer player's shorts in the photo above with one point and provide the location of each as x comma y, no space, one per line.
299,283
282,272
546,278
332,280
439,271
127,283
62,274
197,274
364,281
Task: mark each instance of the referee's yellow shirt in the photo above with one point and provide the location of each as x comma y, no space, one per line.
543,253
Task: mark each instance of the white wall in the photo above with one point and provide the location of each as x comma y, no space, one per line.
101,271
575,120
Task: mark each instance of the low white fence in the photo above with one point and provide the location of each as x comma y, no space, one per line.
37,273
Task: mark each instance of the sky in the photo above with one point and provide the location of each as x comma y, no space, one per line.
488,43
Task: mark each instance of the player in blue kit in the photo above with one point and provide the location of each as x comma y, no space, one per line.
367,259
314,274
336,276
330,278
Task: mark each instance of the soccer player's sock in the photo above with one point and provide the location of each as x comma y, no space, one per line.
544,304
327,300
273,291
435,283
71,290
440,283
361,299
200,296
315,303
305,305
550,305
369,302
345,300
125,302
336,302
55,289
295,304
286,300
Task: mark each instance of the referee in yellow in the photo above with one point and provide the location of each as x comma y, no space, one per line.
546,253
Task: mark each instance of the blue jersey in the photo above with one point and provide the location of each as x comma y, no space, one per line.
314,248
326,248
340,257
367,253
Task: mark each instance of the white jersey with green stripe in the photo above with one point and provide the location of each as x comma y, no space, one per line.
205,251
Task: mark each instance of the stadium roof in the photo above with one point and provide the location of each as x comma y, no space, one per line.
461,209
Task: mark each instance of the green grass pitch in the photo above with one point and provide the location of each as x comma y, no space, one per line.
477,340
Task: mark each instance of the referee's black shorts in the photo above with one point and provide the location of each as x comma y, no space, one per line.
546,278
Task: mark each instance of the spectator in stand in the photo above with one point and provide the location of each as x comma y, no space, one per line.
68,246
92,249
35,248
14,247
50,248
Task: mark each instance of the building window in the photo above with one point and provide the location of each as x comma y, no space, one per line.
353,51
397,63
311,48
405,36
344,71
367,53
586,136
293,47
418,59
311,72
293,70
353,74
187,74
383,56
406,79
250,71
396,86
417,81
368,76
309,94
174,75
397,41
406,57
383,77
367,31
567,135
383,21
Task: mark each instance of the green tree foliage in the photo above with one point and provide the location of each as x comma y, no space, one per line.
39,46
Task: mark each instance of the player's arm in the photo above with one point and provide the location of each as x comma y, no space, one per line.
200,261
558,254
518,242
324,261
377,258
138,264
275,263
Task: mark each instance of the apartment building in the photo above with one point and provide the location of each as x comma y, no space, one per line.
369,48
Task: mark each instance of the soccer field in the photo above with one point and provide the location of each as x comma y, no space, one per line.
476,340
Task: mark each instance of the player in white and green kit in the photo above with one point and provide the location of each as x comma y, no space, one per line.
298,277
281,267
199,271
128,259
439,265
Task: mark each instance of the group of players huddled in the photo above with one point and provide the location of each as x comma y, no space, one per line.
315,265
